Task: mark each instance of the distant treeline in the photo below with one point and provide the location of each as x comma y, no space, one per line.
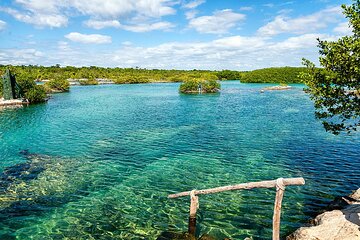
273,75
139,75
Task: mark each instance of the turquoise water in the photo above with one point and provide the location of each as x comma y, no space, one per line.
104,159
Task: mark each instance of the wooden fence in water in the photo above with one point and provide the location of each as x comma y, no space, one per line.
279,184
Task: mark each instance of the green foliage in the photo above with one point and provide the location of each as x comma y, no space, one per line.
206,86
273,75
1,88
132,78
88,82
37,94
25,84
228,75
189,86
335,88
118,75
57,85
28,88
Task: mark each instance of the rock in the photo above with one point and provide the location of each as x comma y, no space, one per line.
206,237
356,195
167,235
341,224
281,87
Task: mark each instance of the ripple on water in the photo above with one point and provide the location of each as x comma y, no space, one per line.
107,166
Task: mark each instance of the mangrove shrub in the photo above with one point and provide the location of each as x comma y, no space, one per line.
36,94
273,75
204,86
57,85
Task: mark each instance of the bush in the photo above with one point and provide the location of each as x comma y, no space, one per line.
57,85
273,75
211,86
37,94
228,75
88,82
29,90
206,86
1,89
25,84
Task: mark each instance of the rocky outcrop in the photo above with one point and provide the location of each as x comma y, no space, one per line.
338,224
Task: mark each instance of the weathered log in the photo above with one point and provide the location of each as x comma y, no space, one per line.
250,185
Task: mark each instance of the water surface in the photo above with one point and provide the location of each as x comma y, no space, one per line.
108,156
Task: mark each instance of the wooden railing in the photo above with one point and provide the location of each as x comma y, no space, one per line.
279,184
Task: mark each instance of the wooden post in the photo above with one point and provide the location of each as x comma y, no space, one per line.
280,188
279,183
194,205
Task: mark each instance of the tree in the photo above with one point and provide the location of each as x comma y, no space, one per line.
37,94
57,85
335,88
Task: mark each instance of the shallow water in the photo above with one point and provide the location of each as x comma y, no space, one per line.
108,156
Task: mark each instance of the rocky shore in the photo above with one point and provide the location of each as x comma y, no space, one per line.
340,222
13,102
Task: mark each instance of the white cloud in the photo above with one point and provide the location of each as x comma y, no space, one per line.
2,25
218,23
88,38
97,24
301,25
118,8
63,46
269,5
55,13
42,5
299,42
193,4
20,56
37,18
147,27
141,27
343,29
246,8
235,52
191,14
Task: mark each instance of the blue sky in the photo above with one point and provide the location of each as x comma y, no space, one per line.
167,34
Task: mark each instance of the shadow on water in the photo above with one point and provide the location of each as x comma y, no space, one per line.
352,214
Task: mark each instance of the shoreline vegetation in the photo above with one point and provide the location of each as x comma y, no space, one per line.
57,79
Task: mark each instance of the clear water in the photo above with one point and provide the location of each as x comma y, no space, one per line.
108,156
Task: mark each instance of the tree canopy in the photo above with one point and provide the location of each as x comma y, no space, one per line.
273,75
335,87
200,86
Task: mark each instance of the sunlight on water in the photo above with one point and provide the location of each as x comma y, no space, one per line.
101,160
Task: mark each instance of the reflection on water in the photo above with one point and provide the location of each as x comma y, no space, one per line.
104,158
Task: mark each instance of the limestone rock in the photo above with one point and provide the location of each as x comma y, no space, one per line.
334,225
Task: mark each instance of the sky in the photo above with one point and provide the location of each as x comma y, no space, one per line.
167,34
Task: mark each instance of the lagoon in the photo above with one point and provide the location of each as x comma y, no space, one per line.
106,157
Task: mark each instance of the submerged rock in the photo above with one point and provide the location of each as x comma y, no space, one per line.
340,224
207,237
39,182
167,235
